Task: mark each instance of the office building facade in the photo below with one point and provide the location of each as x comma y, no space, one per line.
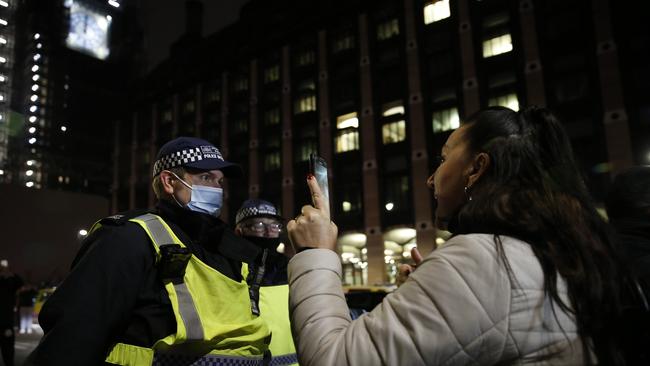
376,87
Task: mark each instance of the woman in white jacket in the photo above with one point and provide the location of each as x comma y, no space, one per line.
529,277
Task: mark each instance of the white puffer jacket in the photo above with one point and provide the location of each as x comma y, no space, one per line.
459,307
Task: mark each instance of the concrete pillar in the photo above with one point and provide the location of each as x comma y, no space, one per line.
253,133
471,100
535,94
288,208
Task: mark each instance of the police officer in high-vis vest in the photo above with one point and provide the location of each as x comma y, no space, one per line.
170,286
258,222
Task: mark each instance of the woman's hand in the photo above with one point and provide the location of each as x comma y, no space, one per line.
405,270
313,227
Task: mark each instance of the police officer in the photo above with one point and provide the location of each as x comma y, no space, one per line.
258,222
173,286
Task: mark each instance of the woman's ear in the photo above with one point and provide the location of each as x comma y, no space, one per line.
167,180
480,165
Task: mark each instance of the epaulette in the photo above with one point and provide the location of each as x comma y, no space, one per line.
122,218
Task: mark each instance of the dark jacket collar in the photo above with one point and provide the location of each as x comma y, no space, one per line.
209,232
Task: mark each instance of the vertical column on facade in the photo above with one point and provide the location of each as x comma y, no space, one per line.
371,199
287,141
253,139
617,133
198,111
325,132
175,114
471,101
535,94
115,188
425,231
153,149
225,100
133,174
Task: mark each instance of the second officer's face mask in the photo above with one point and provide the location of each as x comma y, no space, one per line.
204,199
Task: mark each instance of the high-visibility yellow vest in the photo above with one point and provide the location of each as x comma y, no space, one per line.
274,309
214,322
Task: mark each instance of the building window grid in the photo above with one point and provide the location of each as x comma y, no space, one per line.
388,29
272,117
241,84
305,149
272,161
304,103
436,10
306,58
445,120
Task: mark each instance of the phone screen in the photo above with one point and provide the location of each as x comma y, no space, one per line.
318,168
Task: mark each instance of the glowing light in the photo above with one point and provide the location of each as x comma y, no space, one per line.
63,128
35,68
3,40
29,184
35,77
29,173
39,46
33,98
32,119
113,3
32,141
37,57
3,22
3,60
389,206
4,3
2,78
34,87
32,129
83,232
37,35
33,108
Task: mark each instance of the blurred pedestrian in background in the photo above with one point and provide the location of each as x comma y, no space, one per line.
26,299
10,283
258,222
530,275
174,284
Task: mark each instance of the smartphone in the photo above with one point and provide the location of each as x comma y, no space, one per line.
318,168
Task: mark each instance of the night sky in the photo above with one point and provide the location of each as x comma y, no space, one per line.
164,23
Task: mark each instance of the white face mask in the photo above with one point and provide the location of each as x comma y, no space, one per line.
204,199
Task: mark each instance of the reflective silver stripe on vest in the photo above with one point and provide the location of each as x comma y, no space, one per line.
186,306
166,359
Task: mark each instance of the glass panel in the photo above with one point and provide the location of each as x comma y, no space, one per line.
435,11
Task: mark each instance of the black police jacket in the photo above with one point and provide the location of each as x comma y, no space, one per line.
114,294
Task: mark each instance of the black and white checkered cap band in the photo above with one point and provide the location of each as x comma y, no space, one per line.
178,158
247,212
161,359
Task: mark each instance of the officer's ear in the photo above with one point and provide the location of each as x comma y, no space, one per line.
167,181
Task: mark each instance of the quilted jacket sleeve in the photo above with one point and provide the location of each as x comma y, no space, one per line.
453,310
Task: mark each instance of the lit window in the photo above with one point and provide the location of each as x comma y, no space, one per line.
272,74
33,108
34,87
32,140
35,68
305,103
393,132
349,120
63,128
343,43
37,57
2,79
29,184
3,22
32,119
392,109
445,120
347,140
272,117
29,173
60,179
435,11
508,100
113,3
3,60
4,3
388,29
241,84
497,45
272,161
306,148
346,206
306,58
3,40
32,129
35,77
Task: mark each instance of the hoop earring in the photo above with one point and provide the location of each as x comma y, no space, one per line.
468,195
